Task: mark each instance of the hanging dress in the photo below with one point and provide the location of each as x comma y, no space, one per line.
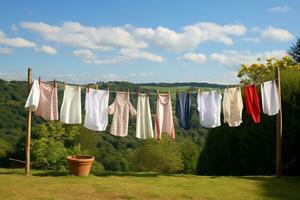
120,110
233,106
33,98
252,102
209,107
269,98
70,112
164,116
184,110
144,129
48,105
96,104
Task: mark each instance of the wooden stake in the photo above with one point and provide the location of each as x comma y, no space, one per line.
278,128
28,127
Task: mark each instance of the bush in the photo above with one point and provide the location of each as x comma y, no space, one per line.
53,143
97,168
161,156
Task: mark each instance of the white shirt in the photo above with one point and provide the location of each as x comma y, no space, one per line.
269,98
70,112
209,107
96,105
34,97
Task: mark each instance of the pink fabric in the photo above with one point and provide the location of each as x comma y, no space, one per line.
120,110
164,116
47,108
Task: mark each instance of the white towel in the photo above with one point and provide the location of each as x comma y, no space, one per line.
96,105
34,97
70,112
209,107
144,127
269,98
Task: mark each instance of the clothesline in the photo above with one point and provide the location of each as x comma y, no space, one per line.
154,93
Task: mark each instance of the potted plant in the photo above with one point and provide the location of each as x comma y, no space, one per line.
80,165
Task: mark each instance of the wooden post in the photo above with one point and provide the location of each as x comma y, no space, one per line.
28,127
278,128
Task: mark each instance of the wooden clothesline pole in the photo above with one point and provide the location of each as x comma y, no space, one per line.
28,127
278,128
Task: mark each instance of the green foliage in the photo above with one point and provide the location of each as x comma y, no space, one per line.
189,155
259,72
294,51
52,144
162,156
97,168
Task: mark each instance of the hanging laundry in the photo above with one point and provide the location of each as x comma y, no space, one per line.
269,98
252,102
120,110
144,129
48,103
233,106
96,104
70,112
164,116
209,107
184,110
33,98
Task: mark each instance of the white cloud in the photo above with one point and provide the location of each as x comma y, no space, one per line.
46,49
85,54
251,39
15,42
191,36
124,55
74,34
277,34
5,50
130,37
193,57
235,58
134,54
283,8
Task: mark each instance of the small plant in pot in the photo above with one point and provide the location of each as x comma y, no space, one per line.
80,165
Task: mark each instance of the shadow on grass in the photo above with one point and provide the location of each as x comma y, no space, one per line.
128,174
51,173
277,188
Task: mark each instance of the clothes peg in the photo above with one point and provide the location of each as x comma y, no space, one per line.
137,92
177,91
96,86
88,88
39,80
54,82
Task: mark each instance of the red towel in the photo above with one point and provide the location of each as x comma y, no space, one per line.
252,102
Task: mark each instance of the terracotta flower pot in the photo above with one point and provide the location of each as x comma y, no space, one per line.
80,165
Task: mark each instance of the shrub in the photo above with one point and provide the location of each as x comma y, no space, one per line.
161,156
53,143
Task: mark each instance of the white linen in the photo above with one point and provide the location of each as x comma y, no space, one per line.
269,98
33,98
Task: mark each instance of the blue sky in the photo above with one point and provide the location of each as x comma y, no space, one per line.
142,41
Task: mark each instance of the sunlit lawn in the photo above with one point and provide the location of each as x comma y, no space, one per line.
48,185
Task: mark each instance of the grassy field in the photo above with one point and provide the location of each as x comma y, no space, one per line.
48,185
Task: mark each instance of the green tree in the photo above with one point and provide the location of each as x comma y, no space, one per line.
162,156
52,144
258,72
294,51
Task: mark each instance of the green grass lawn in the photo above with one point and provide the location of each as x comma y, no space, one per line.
48,185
